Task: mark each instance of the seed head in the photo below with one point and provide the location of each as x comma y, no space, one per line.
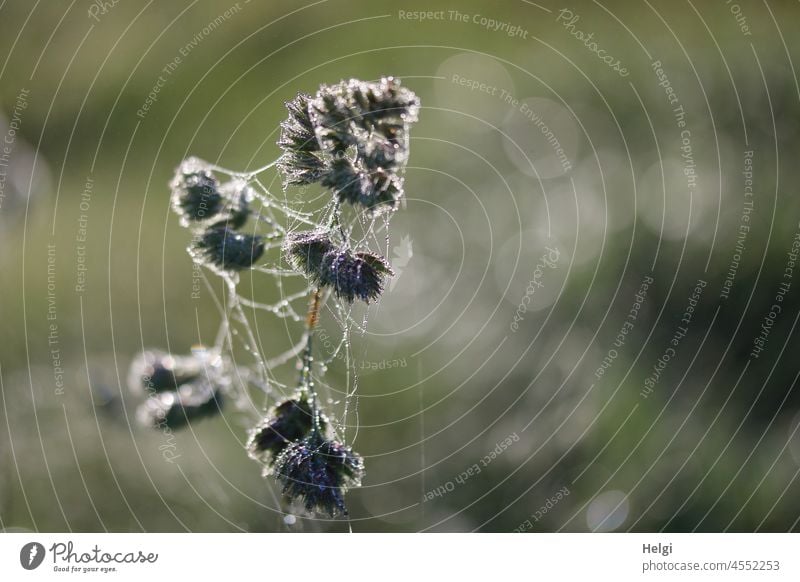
385,102
302,161
175,409
157,371
334,118
362,141
237,195
351,275
305,250
318,472
376,191
289,421
343,113
227,250
355,275
195,192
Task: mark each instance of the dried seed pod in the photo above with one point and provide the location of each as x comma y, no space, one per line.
362,141
226,250
333,116
298,168
340,113
175,409
297,131
302,161
237,194
289,421
318,472
376,191
305,250
386,152
195,192
355,276
157,371
351,275
384,102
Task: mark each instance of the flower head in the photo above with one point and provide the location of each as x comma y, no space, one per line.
317,472
387,152
289,421
195,192
355,275
305,250
351,275
344,113
157,371
376,191
361,144
227,250
302,161
333,116
237,194
175,409
384,102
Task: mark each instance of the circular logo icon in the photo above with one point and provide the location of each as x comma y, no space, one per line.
31,555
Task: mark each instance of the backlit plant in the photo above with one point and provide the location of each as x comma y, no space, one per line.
352,139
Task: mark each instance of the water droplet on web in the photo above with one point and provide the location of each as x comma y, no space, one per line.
289,519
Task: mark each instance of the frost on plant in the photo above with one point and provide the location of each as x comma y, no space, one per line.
352,141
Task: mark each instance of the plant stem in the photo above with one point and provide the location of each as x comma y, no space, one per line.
312,319
306,380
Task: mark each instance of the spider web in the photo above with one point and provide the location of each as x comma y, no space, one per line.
246,321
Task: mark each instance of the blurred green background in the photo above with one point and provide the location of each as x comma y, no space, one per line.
555,150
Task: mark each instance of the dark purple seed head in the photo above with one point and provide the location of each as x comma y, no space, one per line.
302,161
195,192
317,472
297,131
334,118
351,275
176,409
287,422
157,371
237,195
384,102
305,251
227,250
355,276
376,191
